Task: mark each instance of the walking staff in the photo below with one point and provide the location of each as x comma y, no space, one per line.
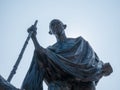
20,55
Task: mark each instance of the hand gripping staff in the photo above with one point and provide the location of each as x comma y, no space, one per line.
20,55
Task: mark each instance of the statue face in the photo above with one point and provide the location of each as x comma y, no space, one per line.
56,27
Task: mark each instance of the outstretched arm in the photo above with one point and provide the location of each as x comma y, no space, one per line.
38,47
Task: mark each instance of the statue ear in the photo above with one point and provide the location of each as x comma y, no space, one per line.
50,32
65,26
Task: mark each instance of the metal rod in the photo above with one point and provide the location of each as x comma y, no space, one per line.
20,55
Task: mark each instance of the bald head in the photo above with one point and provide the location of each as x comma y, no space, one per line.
56,27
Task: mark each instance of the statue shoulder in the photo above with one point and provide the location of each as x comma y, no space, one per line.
51,48
81,38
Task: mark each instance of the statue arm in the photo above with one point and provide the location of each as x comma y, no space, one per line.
37,46
33,30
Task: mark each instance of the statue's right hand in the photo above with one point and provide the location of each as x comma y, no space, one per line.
32,29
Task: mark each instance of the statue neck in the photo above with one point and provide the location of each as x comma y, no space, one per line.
61,38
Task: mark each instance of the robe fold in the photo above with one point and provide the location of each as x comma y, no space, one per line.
34,76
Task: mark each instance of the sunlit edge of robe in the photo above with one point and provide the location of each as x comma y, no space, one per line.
85,65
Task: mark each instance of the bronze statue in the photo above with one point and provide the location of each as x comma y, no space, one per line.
69,64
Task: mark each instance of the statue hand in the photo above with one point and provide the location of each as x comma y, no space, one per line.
107,69
32,29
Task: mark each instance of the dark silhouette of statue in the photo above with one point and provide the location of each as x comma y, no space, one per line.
69,64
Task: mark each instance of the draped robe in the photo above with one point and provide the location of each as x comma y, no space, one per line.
69,60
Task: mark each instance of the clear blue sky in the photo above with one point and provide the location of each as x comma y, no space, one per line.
98,21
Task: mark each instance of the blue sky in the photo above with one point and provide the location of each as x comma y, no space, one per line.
98,21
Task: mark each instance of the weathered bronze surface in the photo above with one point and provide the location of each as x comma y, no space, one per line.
69,64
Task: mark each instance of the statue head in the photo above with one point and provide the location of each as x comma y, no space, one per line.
56,27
